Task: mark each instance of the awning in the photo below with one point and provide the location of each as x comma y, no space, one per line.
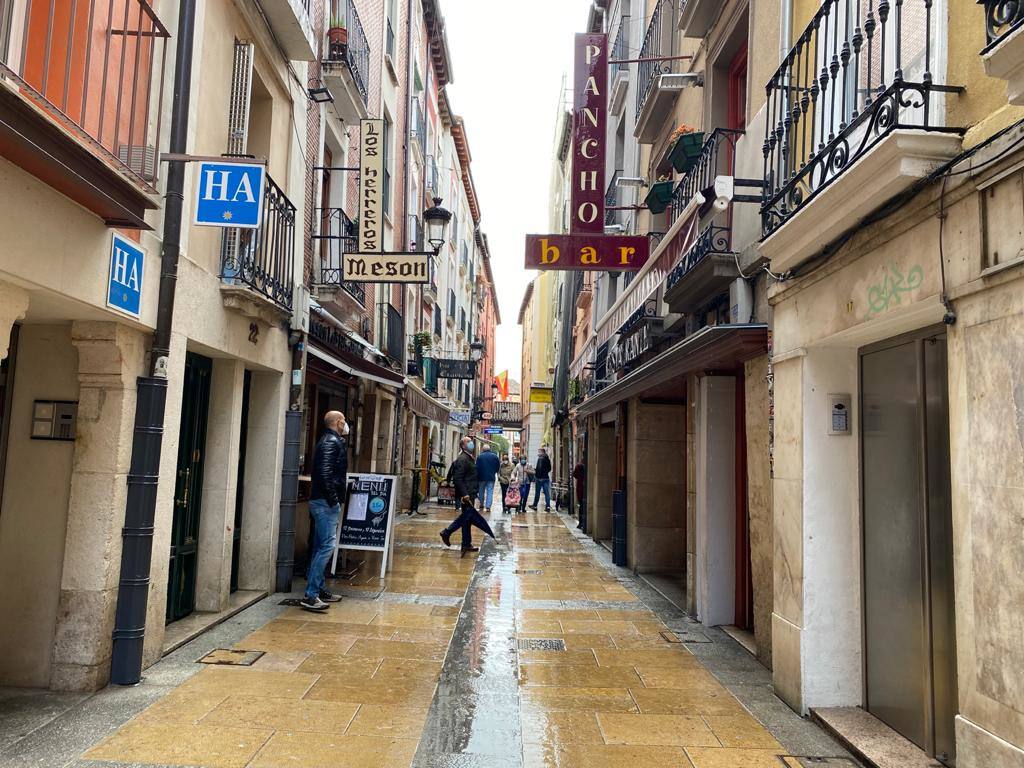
424,405
717,347
357,366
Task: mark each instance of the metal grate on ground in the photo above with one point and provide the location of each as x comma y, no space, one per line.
541,644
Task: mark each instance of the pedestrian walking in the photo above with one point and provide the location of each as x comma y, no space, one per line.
487,465
522,477
579,474
543,483
505,480
327,494
463,476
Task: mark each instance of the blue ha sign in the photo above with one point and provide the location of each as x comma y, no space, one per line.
127,267
230,195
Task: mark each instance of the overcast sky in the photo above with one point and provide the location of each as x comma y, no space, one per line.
508,61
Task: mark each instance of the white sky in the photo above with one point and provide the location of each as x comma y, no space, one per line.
508,61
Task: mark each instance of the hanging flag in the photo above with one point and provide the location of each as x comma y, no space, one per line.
502,381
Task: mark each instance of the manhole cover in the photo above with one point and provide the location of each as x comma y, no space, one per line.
541,644
528,572
231,657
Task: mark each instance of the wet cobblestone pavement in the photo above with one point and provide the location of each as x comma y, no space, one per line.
536,653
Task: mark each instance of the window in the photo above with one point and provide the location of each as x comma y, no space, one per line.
736,117
387,165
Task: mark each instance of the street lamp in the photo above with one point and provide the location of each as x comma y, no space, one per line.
476,351
436,221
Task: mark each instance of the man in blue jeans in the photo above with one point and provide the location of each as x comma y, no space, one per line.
329,475
543,469
487,464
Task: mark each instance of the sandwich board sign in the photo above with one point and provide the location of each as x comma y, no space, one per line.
230,195
368,519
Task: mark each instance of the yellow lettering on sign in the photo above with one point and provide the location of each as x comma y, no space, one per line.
588,143
588,255
587,213
548,253
624,253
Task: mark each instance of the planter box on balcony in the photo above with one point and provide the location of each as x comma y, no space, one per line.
1005,60
898,161
686,151
659,197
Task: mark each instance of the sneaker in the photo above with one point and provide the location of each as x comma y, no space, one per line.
533,507
329,597
313,604
446,538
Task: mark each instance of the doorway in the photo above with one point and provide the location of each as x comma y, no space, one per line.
909,632
188,488
243,433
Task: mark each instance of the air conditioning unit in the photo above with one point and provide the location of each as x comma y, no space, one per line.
140,158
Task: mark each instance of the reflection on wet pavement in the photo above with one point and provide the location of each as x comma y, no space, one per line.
532,654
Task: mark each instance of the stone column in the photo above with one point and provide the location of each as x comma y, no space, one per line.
655,487
601,481
110,357
13,305
220,479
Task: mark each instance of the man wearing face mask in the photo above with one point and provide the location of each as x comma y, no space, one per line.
464,478
330,477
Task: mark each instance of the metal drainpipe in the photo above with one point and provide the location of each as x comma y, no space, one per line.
147,439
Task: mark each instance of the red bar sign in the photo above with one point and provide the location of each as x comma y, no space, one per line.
590,105
623,253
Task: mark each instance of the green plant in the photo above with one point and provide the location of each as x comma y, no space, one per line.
422,341
337,21
682,130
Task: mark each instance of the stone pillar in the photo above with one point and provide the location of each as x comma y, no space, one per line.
220,479
110,357
601,481
13,305
655,487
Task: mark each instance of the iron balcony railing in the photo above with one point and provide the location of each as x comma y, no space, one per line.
97,68
334,236
717,158
657,44
1001,18
433,181
712,240
620,48
611,200
356,52
437,320
860,70
263,259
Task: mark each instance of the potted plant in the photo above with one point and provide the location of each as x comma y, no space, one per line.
685,145
659,196
337,36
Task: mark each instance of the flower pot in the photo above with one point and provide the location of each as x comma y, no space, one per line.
337,38
686,151
659,196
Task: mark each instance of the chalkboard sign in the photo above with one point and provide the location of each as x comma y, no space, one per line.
368,518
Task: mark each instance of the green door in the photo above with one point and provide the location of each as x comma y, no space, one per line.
188,488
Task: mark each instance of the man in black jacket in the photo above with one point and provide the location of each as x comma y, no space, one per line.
463,476
543,480
330,474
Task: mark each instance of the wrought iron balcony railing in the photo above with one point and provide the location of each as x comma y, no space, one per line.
657,44
611,200
356,52
1001,18
620,48
263,259
97,69
860,70
334,235
394,333
712,240
717,158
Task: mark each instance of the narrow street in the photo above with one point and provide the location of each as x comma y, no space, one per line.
553,657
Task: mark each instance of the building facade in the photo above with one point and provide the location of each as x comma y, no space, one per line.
820,346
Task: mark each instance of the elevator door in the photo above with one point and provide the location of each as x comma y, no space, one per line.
910,673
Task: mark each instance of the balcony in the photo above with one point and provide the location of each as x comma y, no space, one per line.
258,265
619,72
433,181
655,94
289,20
1004,49
854,117
717,158
80,90
707,268
334,235
611,201
697,16
346,70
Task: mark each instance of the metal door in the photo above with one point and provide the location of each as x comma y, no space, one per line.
910,676
188,489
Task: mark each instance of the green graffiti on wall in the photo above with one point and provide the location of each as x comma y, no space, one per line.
889,292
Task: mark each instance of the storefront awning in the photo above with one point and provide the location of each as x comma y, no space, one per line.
717,347
424,405
357,366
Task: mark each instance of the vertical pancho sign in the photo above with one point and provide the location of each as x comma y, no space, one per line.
590,116
371,186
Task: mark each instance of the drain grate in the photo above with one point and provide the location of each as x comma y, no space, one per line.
670,637
528,572
541,644
230,657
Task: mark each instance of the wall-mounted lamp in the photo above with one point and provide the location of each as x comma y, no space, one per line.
630,181
320,95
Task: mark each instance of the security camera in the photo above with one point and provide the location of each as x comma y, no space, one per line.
718,196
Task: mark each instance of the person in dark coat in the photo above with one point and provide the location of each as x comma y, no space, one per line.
543,468
487,465
329,479
579,474
464,479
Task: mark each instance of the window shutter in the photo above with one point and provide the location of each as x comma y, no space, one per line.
241,95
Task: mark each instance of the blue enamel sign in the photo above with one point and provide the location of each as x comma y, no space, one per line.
127,266
230,195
